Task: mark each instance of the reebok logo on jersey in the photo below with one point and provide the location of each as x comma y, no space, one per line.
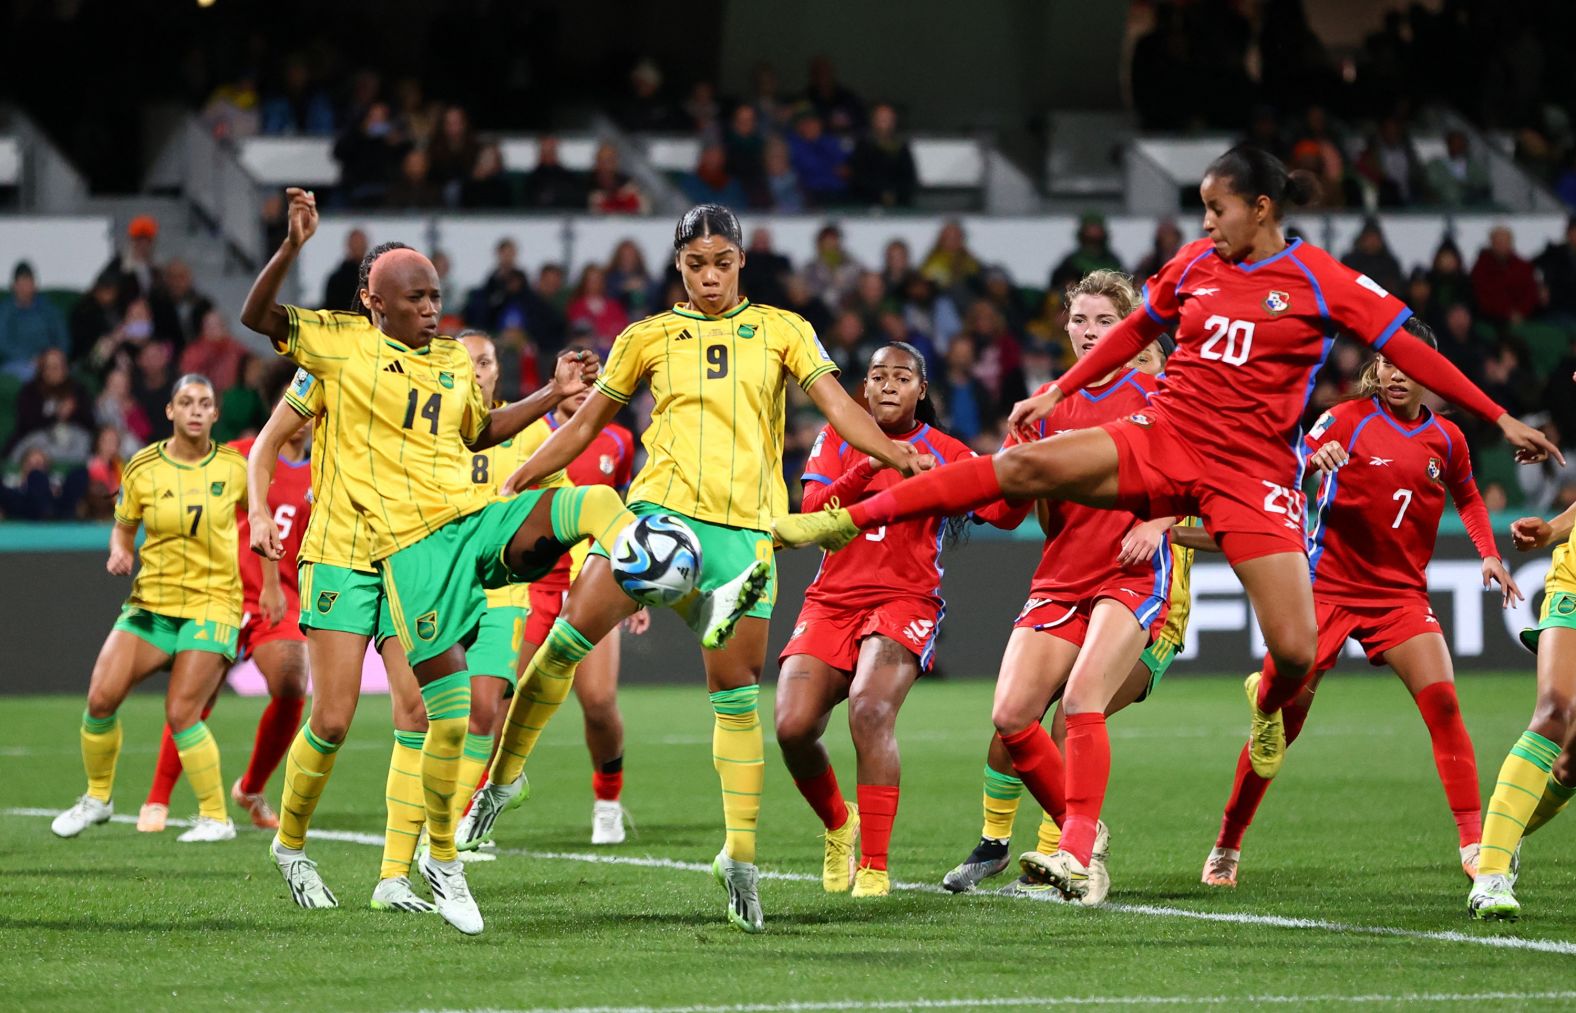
1277,302
394,367
1205,291
685,335
1380,462
918,630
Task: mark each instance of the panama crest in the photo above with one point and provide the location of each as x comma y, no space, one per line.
1277,302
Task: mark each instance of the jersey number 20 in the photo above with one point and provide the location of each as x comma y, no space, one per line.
1230,341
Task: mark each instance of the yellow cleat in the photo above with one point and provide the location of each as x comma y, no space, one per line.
1267,734
872,882
831,529
842,844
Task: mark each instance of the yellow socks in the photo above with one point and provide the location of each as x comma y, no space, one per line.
1517,793
589,511
407,810
1050,836
473,761
1556,797
544,686
200,759
1002,792
100,750
307,767
448,703
740,758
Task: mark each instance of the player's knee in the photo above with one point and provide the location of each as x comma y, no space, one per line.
181,714
484,711
101,703
291,682
1552,717
1293,653
602,720
796,730
1018,471
870,719
329,726
1564,769
1010,719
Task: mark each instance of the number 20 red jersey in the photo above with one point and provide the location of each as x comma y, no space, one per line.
290,500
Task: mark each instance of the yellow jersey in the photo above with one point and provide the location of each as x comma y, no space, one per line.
1175,629
189,568
1562,568
402,414
335,534
714,448
488,469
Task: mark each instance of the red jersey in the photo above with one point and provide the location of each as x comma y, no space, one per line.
290,499
609,459
1250,339
1378,515
902,559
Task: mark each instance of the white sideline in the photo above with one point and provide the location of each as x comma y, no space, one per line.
1560,946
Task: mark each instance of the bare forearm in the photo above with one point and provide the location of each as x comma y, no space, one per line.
1562,525
262,312
508,421
123,537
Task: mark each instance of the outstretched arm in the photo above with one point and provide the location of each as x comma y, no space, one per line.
1111,352
856,426
575,372
260,466
262,312
565,444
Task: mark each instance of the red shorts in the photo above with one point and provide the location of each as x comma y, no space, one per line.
832,633
1377,628
257,631
547,602
1069,619
1160,474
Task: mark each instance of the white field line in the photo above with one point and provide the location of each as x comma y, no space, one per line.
1560,946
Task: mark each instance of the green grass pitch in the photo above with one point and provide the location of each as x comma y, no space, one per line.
1350,887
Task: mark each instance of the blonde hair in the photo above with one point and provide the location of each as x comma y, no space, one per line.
1113,285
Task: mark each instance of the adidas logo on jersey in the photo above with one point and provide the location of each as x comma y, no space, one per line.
167,495
685,335
394,367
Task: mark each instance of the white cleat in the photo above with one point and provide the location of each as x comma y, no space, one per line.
300,872
490,802
1063,871
207,830
1492,900
1469,860
715,615
395,894
152,817
1099,878
742,881
87,812
451,893
1220,868
607,822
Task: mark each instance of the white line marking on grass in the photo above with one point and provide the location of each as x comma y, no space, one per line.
1560,946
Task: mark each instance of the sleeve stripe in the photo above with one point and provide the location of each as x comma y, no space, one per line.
1395,325
298,406
610,391
1156,317
810,477
824,369
129,522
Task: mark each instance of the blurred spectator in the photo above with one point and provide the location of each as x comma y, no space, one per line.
29,324
368,153
117,408
549,302
832,274
365,87
593,305
104,471
1448,281
1503,283
53,397
1506,380
1093,253
1000,358
133,270
93,317
1370,255
702,112
1565,181
896,263
869,299
414,187
452,154
487,186
949,263
244,408
489,296
1557,265
819,160
965,401
782,191
1160,64
799,297
771,108
850,347
550,185
274,223
232,110
612,192
1167,241
339,291
629,281
745,146
1458,340
452,320
184,305
150,386
930,311
710,182
37,495
1542,484
838,107
881,171
1495,498
1390,164
416,115
765,272
1040,366
1264,131
645,110
996,288
1319,151
297,107
892,327
1458,177
216,355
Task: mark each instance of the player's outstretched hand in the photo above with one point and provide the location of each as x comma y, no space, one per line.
638,623
1141,543
909,460
575,372
1028,413
1531,445
265,536
119,562
272,601
1494,571
302,215
522,478
1528,533
1329,457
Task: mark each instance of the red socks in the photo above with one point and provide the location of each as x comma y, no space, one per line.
949,490
877,810
1088,773
1454,758
607,781
1038,764
1277,691
276,729
824,796
1247,791
168,770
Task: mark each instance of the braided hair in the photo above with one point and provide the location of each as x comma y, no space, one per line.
365,275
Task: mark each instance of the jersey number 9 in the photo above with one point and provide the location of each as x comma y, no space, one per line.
716,362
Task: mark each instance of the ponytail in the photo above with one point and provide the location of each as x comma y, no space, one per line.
1253,173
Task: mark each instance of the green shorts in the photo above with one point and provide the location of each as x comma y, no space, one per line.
1559,609
345,601
496,651
436,588
172,635
724,553
1157,658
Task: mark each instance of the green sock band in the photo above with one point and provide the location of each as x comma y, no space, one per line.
735,701
98,726
568,641
1559,790
1536,750
410,740
478,747
326,748
1002,786
191,736
448,697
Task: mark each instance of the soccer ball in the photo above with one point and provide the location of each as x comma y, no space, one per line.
656,560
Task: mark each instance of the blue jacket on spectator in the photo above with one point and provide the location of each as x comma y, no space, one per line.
25,331
730,194
817,162
315,118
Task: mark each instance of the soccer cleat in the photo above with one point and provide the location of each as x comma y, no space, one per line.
990,857
742,881
1492,900
207,830
607,822
716,614
1469,859
487,851
300,872
1266,735
395,894
831,529
842,845
1025,888
257,807
451,893
1063,871
870,882
1099,878
152,818
490,802
1220,868
87,812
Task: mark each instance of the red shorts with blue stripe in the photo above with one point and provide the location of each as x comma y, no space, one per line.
1069,619
833,634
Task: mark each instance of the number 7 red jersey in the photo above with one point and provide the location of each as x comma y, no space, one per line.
290,501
